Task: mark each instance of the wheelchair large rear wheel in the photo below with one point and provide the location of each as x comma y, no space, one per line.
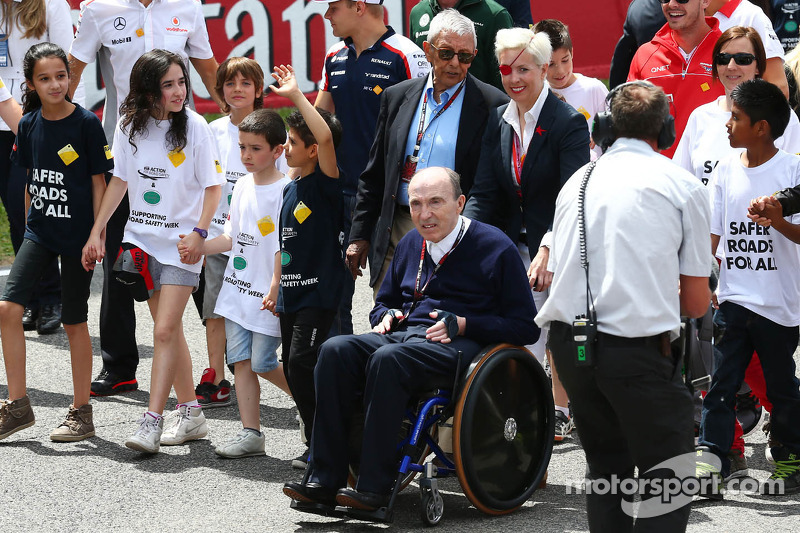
503,429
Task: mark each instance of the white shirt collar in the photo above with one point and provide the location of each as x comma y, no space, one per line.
511,116
437,249
631,145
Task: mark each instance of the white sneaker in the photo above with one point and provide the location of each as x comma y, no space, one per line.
243,444
187,423
146,438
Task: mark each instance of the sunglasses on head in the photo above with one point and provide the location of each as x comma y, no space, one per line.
679,1
741,58
445,54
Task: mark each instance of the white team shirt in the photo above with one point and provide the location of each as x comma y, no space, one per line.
760,267
227,139
253,227
633,194
166,190
59,31
705,140
588,96
128,30
747,14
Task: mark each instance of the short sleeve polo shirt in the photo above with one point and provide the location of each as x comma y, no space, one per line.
128,29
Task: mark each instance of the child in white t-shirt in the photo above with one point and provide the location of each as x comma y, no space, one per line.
252,276
587,95
165,159
240,82
759,286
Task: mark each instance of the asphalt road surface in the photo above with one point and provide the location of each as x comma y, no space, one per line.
99,485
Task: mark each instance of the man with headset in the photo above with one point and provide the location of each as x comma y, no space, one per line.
615,305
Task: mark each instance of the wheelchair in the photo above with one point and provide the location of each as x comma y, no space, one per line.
503,427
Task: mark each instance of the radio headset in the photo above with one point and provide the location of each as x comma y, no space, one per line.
584,327
603,127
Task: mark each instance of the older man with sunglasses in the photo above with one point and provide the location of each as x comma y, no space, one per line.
437,120
678,60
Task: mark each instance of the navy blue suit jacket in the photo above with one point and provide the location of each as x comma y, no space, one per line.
559,147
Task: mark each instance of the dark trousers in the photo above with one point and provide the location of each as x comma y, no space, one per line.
117,314
302,333
739,332
631,410
388,370
343,321
12,194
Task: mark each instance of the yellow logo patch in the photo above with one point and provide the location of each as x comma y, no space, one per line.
107,150
139,32
2,84
266,226
377,89
705,86
68,154
582,111
218,166
301,212
177,157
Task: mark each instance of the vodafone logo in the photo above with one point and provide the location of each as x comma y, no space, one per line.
662,68
176,21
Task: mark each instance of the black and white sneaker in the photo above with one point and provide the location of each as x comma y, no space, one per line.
564,426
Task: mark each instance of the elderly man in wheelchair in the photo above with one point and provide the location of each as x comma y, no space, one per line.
453,287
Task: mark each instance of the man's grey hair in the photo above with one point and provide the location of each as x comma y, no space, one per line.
452,21
452,176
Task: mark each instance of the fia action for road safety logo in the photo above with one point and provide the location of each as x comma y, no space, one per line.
266,225
68,154
176,157
301,212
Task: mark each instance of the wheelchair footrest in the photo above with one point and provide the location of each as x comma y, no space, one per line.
317,508
383,514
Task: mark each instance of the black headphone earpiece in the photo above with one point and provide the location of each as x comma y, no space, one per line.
603,127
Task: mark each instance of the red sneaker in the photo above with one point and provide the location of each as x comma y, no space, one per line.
210,395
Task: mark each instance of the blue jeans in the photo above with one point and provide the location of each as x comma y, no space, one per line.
738,333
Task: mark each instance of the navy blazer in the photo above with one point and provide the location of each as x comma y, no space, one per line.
377,187
559,147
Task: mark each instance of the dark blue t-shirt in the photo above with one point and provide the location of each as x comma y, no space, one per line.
61,157
312,266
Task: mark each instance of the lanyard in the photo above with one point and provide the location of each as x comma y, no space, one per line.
421,129
518,159
419,293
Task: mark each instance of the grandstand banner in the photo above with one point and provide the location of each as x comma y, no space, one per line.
294,32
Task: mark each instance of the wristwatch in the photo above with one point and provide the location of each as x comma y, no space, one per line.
203,233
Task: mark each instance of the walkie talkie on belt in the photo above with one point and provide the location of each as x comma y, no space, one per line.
584,327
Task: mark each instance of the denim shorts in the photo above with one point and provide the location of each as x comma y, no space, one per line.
243,344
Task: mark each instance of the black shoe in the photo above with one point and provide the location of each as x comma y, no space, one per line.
301,462
49,319
362,500
748,412
29,318
107,384
310,493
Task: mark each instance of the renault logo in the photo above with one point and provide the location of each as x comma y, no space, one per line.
119,23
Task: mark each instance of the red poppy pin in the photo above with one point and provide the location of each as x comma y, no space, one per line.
539,130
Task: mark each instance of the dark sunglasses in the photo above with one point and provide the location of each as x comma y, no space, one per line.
741,58
445,54
679,1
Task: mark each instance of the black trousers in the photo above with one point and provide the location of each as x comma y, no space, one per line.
12,193
388,370
117,314
631,410
302,334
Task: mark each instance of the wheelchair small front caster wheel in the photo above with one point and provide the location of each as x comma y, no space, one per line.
432,507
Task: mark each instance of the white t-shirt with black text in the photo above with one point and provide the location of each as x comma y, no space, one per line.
166,188
227,138
705,140
760,268
253,227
